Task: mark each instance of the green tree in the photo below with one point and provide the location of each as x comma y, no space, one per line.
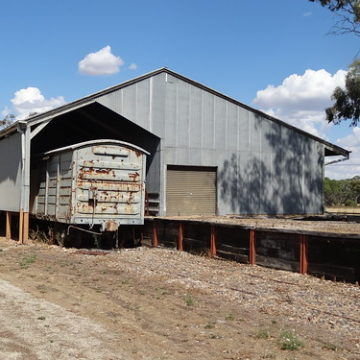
7,121
342,192
347,101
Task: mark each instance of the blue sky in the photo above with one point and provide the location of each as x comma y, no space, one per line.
236,47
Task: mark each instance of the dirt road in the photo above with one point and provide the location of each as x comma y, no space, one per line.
163,304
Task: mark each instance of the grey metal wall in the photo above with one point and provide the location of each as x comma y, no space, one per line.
262,166
10,173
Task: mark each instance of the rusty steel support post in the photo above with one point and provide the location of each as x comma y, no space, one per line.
181,237
304,257
213,240
155,241
8,225
252,247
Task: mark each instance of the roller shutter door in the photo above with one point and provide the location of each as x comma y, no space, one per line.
190,190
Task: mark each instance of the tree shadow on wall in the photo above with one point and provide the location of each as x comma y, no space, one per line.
283,177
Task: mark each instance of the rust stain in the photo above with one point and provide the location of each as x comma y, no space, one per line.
92,171
134,176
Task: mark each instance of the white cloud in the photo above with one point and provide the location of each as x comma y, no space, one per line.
351,167
102,62
308,13
301,99
30,100
133,66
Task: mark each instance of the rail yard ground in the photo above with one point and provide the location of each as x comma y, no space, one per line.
147,303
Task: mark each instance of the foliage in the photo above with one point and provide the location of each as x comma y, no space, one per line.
342,192
289,341
262,334
188,300
348,15
347,101
7,121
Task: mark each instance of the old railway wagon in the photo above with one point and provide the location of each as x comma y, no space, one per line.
98,183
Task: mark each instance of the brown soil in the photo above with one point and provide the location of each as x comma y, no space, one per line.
162,304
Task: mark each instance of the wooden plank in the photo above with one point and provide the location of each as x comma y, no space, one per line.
354,236
181,237
252,247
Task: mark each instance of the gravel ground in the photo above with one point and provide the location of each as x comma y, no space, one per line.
156,303
298,297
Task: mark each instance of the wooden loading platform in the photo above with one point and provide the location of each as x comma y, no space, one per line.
330,249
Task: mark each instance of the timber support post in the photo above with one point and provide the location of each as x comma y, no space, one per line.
181,237
25,227
155,240
304,256
21,227
252,247
213,241
8,225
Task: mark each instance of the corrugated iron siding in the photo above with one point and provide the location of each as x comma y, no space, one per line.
263,166
10,173
190,191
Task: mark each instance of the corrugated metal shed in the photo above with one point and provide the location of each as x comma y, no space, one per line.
263,165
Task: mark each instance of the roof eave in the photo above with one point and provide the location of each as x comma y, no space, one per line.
332,149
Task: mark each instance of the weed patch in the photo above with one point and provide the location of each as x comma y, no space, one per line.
329,346
288,341
262,334
230,317
188,300
26,261
210,325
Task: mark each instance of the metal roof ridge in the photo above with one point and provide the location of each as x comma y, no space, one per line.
110,89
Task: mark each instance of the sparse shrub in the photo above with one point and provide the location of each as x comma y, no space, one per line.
210,325
230,317
329,346
188,300
262,334
289,341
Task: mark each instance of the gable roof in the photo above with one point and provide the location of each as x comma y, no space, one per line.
331,149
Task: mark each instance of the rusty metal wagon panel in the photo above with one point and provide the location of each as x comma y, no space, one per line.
99,182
